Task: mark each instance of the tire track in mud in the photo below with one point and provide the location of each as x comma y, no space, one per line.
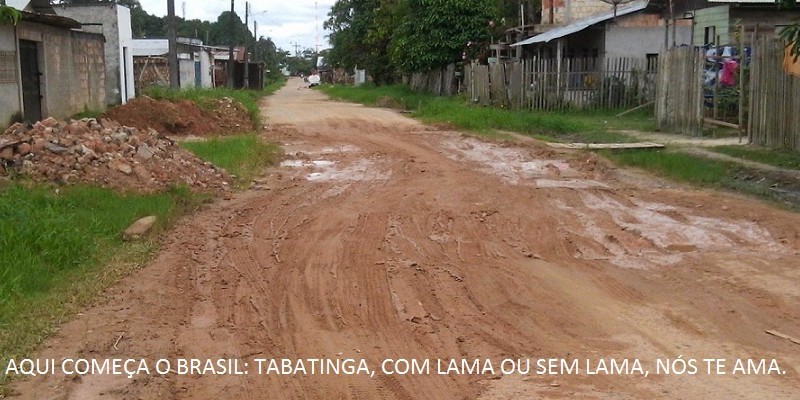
382,238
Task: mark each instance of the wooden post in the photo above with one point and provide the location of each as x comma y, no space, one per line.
742,93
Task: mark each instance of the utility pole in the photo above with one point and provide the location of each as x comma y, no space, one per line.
174,72
229,72
246,53
255,55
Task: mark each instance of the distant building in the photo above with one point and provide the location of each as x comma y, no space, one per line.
196,63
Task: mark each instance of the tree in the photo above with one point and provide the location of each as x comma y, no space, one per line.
434,33
362,31
220,32
9,15
791,33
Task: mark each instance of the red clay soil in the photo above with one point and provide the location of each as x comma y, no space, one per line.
380,239
183,117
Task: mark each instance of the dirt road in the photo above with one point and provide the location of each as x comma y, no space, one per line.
383,239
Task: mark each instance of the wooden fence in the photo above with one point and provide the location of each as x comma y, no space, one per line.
679,91
552,84
440,81
774,117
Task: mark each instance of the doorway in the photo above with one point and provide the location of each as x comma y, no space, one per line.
31,80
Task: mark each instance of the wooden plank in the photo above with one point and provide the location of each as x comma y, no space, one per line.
613,146
783,336
637,108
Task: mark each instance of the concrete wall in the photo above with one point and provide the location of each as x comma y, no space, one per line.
10,95
640,34
115,25
187,75
73,68
206,69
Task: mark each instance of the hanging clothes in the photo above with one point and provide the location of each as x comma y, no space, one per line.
728,77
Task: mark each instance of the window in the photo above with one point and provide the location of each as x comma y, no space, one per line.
8,67
652,62
710,35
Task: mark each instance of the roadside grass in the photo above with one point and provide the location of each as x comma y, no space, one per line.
675,165
583,126
88,114
775,157
705,172
205,98
244,156
61,248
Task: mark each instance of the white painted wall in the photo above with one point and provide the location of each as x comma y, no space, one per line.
127,82
206,68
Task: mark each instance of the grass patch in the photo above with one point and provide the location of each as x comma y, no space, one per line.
59,250
678,166
244,156
205,98
590,126
88,114
775,157
705,172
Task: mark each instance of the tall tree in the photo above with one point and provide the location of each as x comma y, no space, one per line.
220,31
361,33
434,33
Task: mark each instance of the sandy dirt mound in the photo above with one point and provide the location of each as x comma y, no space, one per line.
383,239
222,117
106,154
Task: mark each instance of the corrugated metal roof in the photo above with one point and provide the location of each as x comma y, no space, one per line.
580,25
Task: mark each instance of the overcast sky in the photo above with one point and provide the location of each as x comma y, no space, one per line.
286,22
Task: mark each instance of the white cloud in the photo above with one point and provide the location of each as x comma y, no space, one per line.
286,22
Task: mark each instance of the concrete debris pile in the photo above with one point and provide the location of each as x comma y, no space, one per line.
104,153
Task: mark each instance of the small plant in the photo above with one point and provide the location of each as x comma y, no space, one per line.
244,156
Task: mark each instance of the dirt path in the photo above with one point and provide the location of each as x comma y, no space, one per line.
380,238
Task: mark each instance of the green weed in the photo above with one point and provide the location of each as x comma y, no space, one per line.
245,156
60,248
775,157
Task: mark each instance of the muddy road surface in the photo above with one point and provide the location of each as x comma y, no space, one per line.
380,239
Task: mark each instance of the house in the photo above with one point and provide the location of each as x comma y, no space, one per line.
255,71
720,21
591,28
196,63
48,67
114,22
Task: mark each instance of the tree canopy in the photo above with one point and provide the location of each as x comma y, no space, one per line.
392,37
9,15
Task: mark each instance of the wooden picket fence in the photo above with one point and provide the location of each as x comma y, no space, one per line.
679,91
774,117
553,84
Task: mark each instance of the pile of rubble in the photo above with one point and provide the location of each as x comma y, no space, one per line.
106,154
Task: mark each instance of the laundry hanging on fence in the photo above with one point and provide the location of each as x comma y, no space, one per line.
728,76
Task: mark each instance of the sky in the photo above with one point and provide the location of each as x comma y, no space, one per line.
286,22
